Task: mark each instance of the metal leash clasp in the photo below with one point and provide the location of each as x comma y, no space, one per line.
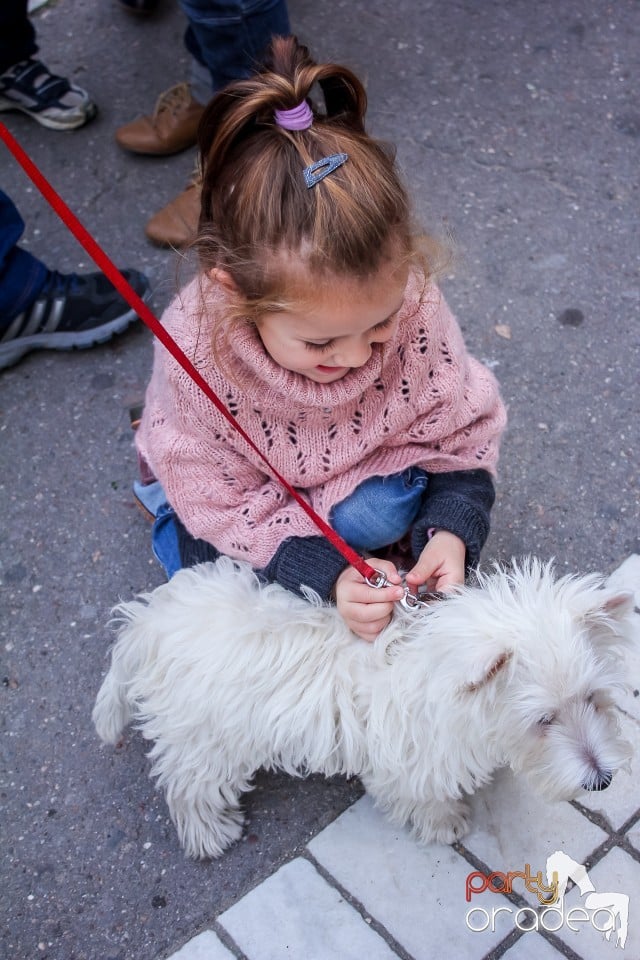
410,601
378,581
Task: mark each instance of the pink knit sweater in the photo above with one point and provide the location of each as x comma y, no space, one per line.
420,400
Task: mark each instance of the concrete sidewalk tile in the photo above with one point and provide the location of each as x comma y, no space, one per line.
532,946
616,874
621,800
513,827
296,913
416,892
633,836
206,946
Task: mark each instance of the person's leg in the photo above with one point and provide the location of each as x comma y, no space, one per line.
43,309
22,276
27,85
227,38
230,36
17,36
381,510
171,543
164,541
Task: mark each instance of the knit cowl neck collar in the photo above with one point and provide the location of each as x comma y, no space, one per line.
248,367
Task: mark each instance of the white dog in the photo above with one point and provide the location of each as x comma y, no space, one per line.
227,675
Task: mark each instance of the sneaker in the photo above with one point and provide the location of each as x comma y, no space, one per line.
172,127
176,225
71,311
53,101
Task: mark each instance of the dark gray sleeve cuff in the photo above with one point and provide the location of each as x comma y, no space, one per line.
193,551
459,502
306,561
299,561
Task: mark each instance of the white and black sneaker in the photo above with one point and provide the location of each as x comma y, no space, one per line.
71,311
53,101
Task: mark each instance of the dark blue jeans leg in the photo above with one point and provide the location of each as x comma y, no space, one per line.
22,276
164,541
17,36
164,534
230,36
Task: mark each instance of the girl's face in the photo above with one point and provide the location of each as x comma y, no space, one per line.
324,338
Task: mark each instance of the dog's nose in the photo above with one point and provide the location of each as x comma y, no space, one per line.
599,781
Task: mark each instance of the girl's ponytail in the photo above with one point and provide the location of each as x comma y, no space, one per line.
286,80
259,210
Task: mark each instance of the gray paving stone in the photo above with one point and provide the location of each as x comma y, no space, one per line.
417,892
295,913
617,874
206,946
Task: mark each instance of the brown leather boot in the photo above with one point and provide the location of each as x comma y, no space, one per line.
177,223
172,127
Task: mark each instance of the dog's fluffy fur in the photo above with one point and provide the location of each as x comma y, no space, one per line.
227,675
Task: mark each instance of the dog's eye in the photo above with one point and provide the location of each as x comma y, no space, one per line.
546,720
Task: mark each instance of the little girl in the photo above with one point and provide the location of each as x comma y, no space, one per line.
316,320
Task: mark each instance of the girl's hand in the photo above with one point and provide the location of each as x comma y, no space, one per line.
367,610
440,566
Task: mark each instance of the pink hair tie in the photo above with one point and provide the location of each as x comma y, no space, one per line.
298,118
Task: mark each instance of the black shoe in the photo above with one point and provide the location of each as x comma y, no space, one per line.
70,311
53,101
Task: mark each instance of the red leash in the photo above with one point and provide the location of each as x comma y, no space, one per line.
374,577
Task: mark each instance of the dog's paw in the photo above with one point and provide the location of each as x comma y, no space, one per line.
211,845
444,822
208,839
454,829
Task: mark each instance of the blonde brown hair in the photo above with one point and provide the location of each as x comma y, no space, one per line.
256,208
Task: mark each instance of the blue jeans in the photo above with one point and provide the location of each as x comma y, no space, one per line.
22,276
164,535
381,510
229,37
378,513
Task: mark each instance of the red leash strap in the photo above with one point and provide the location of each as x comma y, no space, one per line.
126,290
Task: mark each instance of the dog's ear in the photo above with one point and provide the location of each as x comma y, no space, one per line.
611,608
618,605
607,617
485,669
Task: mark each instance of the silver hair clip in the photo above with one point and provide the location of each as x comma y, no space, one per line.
322,168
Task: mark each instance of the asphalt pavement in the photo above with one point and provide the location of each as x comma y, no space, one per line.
517,126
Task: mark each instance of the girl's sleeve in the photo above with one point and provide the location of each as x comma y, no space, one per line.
298,562
306,562
460,502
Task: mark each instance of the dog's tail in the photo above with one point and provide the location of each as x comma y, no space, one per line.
114,707
112,711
